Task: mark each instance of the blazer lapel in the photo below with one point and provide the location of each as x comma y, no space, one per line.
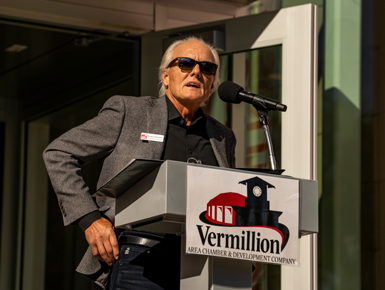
218,141
157,119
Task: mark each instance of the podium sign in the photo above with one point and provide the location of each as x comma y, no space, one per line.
242,215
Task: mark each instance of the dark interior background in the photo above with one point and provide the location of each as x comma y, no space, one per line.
61,84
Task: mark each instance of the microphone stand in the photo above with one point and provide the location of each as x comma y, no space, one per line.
263,111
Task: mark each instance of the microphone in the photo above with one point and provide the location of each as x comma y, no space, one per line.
232,93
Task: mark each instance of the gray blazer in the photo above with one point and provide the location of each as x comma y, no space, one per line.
113,138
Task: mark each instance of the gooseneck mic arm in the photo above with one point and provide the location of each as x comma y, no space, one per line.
265,125
233,93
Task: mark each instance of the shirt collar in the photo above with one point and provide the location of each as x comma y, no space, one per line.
173,114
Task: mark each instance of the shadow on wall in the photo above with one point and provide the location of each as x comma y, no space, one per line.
340,204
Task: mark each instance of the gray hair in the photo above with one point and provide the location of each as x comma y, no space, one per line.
167,58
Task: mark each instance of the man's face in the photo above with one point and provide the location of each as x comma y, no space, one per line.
189,87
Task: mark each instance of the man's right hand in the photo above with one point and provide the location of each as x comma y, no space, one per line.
101,237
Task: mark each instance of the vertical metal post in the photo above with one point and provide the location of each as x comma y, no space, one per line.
265,125
270,146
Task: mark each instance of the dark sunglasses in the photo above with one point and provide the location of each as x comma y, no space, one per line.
185,63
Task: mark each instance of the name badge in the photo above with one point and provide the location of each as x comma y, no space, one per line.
151,137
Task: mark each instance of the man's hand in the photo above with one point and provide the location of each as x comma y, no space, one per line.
101,237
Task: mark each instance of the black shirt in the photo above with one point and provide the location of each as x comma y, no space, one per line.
182,143
187,143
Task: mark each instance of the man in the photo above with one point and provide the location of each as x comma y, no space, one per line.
188,75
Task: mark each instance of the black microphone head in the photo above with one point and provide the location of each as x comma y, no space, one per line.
228,92
281,107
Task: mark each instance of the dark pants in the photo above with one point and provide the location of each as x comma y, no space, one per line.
144,268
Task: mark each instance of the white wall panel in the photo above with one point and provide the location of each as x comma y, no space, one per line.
194,16
117,15
145,8
76,16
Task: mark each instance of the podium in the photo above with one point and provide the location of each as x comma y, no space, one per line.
152,197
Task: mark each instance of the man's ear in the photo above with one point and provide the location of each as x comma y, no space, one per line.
165,77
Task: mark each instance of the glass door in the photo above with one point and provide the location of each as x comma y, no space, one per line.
273,54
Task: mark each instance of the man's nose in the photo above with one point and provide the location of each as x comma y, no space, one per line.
196,70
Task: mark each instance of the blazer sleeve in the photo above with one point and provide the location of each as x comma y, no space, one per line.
65,156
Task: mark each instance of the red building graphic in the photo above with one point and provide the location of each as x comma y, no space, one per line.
220,210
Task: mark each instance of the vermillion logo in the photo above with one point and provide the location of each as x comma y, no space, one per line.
232,209
143,136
